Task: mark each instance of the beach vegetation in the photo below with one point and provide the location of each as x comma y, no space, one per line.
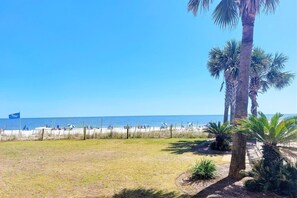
222,135
78,134
203,170
275,171
150,134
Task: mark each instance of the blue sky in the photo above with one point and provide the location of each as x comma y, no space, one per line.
105,58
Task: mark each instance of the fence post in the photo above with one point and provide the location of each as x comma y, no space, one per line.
85,131
42,134
127,131
171,131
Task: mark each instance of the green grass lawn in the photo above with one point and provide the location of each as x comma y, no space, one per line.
103,168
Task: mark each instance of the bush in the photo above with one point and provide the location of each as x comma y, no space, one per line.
288,183
253,185
221,146
278,178
204,169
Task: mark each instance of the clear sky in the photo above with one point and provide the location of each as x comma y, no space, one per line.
108,58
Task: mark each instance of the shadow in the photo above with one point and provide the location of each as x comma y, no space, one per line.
219,188
196,146
146,193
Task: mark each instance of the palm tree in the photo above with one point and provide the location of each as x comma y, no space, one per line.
226,61
227,13
222,133
266,72
276,171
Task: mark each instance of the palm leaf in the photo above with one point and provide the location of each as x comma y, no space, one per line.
279,61
269,5
193,5
226,13
283,79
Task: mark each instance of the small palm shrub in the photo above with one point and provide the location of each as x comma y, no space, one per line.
271,133
222,133
278,178
275,171
203,170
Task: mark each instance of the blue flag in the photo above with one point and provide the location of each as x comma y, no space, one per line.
14,116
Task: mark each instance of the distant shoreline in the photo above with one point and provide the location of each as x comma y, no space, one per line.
114,121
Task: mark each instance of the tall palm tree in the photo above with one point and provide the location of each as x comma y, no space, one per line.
226,61
228,13
267,72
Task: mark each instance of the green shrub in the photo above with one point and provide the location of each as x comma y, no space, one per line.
204,169
222,134
288,183
278,178
221,146
253,185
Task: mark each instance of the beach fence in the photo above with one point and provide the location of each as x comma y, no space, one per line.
125,132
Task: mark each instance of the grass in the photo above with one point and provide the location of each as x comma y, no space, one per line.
74,168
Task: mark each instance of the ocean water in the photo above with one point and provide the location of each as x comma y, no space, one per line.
115,121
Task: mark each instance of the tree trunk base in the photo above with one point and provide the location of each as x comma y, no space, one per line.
238,155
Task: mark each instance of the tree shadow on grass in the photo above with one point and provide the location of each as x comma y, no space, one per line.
146,193
195,146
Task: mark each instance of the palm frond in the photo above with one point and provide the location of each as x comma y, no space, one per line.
271,132
264,86
193,5
226,13
218,128
283,79
260,62
217,62
279,61
269,5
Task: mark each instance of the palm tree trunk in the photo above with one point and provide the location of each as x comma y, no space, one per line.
254,106
226,110
241,105
228,94
232,111
271,155
233,99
